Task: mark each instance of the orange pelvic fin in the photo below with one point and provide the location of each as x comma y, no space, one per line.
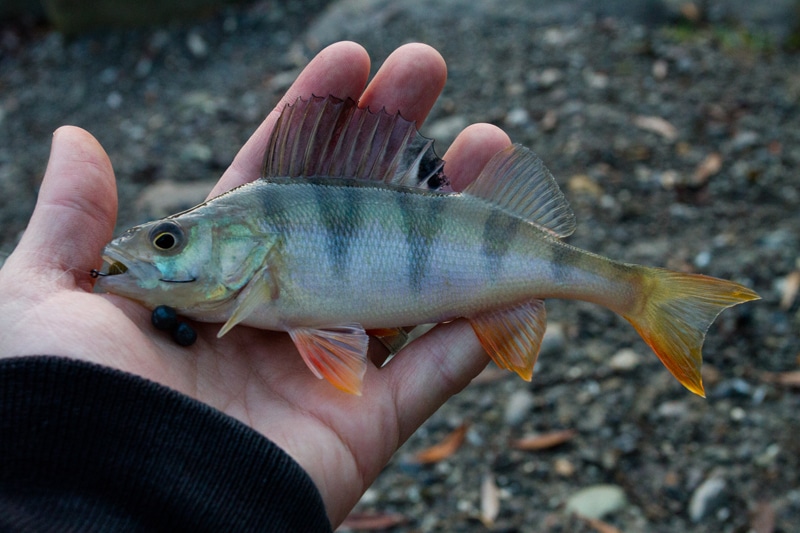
338,354
512,337
675,314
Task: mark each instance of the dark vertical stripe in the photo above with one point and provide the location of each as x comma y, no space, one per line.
499,231
421,224
273,202
340,210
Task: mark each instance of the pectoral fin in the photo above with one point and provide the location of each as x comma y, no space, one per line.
260,290
512,337
338,354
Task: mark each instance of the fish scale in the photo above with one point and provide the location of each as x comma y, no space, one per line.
353,228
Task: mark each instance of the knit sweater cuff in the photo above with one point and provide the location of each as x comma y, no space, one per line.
88,446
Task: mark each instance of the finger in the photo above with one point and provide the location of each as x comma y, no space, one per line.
470,152
75,211
431,370
409,81
341,70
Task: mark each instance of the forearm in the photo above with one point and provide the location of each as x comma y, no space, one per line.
84,445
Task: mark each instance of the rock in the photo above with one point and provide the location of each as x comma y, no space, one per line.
673,409
595,80
554,340
114,100
564,467
660,69
549,77
707,497
743,140
584,184
597,501
196,152
518,407
702,259
196,45
518,116
624,360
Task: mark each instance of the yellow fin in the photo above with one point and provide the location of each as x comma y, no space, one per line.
512,337
675,314
338,354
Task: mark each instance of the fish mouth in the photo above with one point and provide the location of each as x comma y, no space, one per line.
114,267
121,270
117,266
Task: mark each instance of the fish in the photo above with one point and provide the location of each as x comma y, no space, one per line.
353,228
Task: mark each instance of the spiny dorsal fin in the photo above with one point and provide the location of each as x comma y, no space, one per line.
330,137
517,181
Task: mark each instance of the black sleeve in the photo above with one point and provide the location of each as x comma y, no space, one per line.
88,448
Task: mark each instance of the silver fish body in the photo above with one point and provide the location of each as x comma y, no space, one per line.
381,257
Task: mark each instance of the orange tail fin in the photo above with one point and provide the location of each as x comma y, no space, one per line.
675,314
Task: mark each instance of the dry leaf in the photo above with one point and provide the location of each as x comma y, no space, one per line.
490,500
542,442
656,125
445,448
787,379
549,120
373,521
763,518
599,525
707,168
790,287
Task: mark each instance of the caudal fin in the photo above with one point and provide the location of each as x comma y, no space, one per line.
675,314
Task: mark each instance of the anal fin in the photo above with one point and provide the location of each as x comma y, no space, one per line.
338,354
512,337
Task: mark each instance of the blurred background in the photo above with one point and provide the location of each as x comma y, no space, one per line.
672,126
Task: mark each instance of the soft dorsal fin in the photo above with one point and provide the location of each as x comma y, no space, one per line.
517,181
330,137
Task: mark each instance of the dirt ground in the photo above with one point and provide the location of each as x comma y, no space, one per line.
677,144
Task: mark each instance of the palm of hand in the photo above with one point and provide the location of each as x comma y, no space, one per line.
255,376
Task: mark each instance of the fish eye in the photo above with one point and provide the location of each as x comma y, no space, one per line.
167,236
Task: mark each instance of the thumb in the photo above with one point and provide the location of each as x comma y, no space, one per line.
75,211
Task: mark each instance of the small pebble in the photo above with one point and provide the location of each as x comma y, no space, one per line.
624,360
184,334
164,318
518,117
518,407
707,497
597,501
197,45
564,467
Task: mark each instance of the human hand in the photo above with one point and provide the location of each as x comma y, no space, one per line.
47,305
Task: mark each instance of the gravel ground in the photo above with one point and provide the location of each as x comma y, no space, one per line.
677,146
